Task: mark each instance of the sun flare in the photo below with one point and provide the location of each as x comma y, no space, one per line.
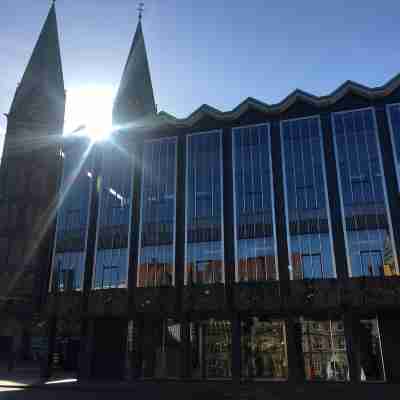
89,110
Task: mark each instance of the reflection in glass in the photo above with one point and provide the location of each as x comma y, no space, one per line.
210,343
394,122
72,219
204,241
254,214
157,228
264,353
307,209
324,350
114,218
167,350
364,207
371,352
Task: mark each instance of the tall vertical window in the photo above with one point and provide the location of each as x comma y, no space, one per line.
72,220
368,230
306,199
255,242
204,231
393,111
111,265
157,228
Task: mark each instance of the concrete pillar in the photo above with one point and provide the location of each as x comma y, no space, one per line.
294,350
86,350
47,362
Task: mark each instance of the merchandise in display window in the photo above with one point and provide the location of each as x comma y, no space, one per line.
324,350
263,349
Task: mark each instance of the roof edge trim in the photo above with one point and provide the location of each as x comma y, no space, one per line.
319,101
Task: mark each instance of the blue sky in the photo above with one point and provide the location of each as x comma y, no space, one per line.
216,52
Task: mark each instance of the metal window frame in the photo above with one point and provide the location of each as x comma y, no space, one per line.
166,139
382,173
327,206
235,217
86,154
388,109
187,138
370,252
100,202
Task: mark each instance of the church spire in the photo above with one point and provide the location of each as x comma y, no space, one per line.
135,97
43,76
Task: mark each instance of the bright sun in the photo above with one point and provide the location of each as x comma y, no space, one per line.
89,106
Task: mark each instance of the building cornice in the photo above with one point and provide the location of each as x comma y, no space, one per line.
349,87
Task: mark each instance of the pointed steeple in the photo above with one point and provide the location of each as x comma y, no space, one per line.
42,84
135,97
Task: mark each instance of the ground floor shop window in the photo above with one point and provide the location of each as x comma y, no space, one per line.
263,349
371,359
210,343
163,349
324,350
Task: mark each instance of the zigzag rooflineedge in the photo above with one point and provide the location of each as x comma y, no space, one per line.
319,101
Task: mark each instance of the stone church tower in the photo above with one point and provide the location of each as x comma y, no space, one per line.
29,177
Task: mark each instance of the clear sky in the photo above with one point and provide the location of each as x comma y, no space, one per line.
211,51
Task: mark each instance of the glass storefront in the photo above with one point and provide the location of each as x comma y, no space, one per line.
263,349
324,350
372,368
164,359
210,345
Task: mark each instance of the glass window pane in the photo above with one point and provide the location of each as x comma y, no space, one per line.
371,359
210,343
114,219
364,208
167,350
204,245
324,350
157,228
72,219
307,213
254,209
264,353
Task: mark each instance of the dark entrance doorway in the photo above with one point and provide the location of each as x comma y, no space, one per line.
109,346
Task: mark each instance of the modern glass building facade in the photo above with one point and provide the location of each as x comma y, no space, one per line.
186,248
257,244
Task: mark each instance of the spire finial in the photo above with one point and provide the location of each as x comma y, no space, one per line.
140,9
